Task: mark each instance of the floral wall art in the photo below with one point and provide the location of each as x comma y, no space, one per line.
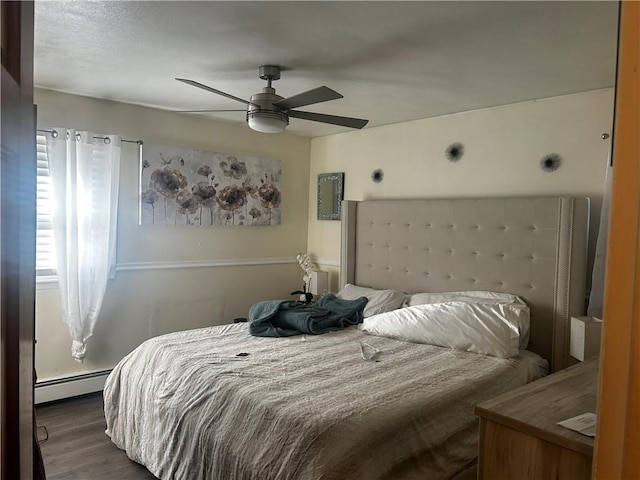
196,188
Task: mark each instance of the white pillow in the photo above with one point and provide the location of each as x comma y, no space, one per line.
474,296
471,296
379,301
487,328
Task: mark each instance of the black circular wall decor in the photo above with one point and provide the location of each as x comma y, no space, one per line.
550,162
377,175
454,152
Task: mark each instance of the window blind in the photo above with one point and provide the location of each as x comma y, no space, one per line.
45,247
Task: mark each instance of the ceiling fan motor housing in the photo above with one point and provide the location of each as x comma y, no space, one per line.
263,116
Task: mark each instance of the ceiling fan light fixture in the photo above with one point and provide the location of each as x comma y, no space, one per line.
266,121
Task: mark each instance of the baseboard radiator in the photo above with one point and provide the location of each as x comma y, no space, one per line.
67,387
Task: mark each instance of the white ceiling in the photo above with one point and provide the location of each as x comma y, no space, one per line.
393,61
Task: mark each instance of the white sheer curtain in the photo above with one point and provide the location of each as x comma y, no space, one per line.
596,299
85,177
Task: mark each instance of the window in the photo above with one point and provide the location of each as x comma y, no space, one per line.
45,247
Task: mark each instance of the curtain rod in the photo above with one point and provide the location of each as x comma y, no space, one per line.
54,134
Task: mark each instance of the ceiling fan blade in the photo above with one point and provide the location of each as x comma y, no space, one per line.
206,111
332,119
213,90
317,95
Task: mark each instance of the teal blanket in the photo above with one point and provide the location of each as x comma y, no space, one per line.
284,318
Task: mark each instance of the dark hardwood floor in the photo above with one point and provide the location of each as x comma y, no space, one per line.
78,448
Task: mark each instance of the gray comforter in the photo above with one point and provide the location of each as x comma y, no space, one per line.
301,407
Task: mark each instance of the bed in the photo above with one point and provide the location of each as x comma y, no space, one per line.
220,403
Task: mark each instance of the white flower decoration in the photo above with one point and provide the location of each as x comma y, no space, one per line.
305,264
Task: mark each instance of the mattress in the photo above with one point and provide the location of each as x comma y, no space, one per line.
217,403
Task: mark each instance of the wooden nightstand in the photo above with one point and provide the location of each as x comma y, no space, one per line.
519,437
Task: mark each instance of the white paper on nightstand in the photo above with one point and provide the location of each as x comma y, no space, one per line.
584,424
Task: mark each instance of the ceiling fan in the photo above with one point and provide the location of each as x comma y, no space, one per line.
268,112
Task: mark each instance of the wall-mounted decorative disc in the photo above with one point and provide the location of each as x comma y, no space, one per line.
454,152
377,175
551,162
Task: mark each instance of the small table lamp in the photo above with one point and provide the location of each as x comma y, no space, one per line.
585,337
319,284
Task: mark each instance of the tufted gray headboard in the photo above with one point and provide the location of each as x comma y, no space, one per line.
534,247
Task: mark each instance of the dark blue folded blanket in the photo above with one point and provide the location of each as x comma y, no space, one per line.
283,318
